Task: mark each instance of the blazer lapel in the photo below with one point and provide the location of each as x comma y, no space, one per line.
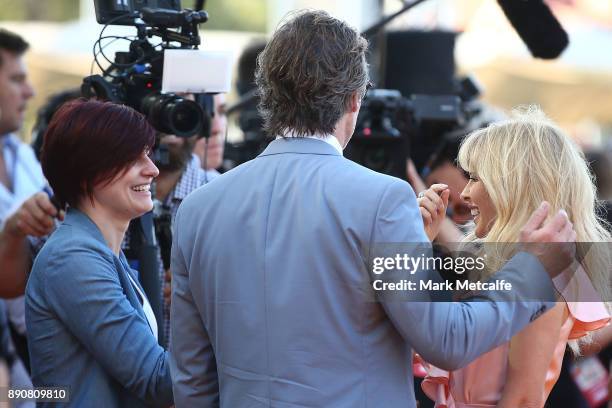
128,287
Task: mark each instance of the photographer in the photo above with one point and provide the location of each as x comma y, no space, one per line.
178,176
210,150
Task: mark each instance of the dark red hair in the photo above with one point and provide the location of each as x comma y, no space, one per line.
90,142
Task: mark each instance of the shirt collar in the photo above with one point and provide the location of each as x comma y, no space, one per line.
189,181
327,138
9,141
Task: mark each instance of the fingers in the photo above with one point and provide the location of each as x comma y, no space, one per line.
559,222
34,217
536,219
435,199
28,226
426,215
553,229
567,233
44,203
438,188
42,210
428,204
38,212
445,196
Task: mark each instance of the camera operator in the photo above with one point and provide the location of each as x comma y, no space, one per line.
178,176
209,151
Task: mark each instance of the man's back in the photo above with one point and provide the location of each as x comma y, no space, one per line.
272,301
276,251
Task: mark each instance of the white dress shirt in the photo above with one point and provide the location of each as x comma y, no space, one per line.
146,307
27,179
329,139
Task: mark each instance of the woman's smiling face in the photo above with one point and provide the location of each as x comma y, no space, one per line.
481,207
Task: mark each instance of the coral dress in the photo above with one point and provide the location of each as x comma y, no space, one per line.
481,382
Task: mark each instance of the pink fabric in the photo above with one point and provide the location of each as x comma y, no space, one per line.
481,382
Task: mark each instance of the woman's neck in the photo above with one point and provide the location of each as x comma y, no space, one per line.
112,227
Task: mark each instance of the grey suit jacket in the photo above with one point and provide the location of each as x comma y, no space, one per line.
86,326
270,262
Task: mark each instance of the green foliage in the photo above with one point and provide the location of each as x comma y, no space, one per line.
41,10
234,15
231,15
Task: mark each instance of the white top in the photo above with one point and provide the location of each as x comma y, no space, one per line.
146,307
329,139
24,171
27,178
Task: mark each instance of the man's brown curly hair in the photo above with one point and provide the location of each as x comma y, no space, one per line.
307,74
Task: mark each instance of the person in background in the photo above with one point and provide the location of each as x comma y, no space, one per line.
45,114
441,168
209,150
180,173
90,325
25,212
178,176
566,391
25,229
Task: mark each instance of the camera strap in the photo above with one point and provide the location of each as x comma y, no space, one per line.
163,231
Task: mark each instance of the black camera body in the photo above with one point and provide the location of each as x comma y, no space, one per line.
134,78
390,126
121,12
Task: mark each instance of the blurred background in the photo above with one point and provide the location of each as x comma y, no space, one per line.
424,51
574,89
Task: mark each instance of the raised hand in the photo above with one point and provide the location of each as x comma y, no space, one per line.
432,204
35,217
552,241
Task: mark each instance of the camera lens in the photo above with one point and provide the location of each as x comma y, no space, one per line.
173,114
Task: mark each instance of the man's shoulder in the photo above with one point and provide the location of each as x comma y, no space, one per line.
13,141
349,176
341,172
25,156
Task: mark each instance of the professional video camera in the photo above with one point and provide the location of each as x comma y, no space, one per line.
135,77
150,78
390,125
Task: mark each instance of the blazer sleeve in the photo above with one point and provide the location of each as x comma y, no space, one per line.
82,287
192,358
451,334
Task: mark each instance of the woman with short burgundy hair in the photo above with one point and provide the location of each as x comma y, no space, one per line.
90,325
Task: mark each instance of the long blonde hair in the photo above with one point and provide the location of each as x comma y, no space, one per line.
525,160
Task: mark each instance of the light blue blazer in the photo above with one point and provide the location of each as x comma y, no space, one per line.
271,289
86,326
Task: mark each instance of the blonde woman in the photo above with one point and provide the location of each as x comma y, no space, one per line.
513,166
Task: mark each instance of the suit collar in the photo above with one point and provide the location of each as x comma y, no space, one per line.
78,218
299,145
